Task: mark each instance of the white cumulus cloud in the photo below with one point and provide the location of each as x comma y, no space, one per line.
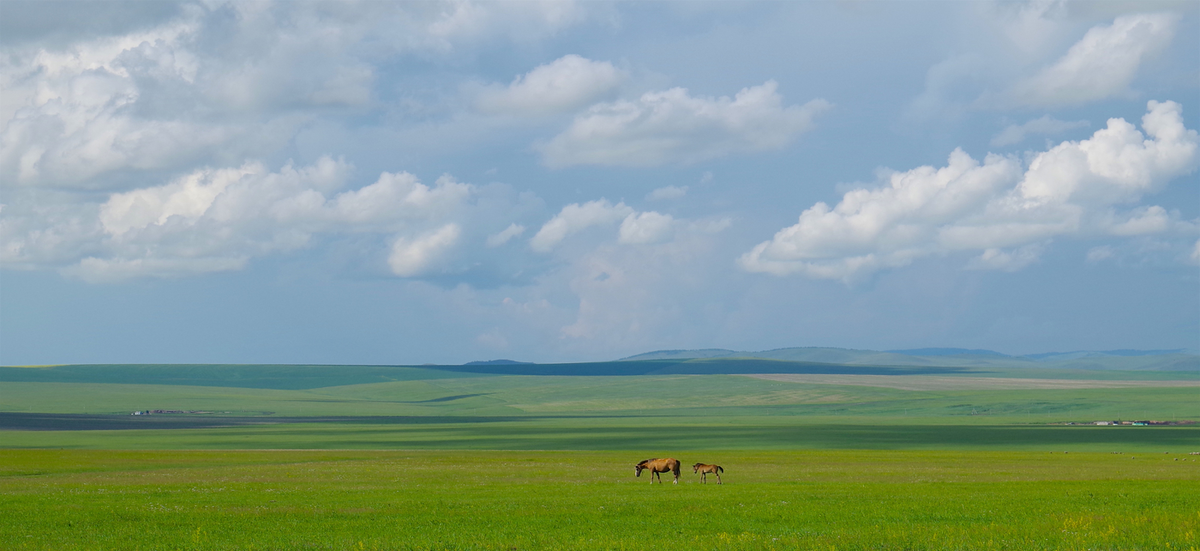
672,126
562,85
222,82
997,207
574,218
513,230
645,227
1144,221
219,219
1102,64
416,255
1008,261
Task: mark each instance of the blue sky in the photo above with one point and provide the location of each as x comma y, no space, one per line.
440,182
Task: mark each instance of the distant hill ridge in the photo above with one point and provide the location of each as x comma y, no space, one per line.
948,352
1123,359
496,362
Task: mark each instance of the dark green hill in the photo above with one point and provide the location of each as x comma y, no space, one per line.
302,377
698,366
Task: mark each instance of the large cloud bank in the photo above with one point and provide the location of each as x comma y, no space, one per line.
218,219
224,82
998,209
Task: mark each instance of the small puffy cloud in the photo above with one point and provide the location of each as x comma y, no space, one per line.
996,207
667,193
636,228
574,218
395,198
187,198
416,255
1008,261
645,227
513,230
1101,65
1044,126
1143,221
672,126
1098,254
563,85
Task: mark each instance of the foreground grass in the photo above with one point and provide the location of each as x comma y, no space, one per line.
590,500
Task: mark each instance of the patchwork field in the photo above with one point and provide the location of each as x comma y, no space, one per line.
423,458
374,407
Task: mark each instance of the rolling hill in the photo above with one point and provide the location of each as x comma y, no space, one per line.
1125,360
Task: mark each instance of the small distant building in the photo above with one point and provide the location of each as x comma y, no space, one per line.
1103,423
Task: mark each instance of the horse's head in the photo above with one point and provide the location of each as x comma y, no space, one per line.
696,467
638,468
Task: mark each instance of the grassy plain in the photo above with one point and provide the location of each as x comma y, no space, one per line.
200,500
412,458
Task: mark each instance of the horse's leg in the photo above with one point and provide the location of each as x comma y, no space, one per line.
718,478
702,475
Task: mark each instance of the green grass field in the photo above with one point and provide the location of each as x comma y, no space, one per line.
414,458
591,500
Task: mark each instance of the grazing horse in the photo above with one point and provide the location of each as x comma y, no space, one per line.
705,470
657,466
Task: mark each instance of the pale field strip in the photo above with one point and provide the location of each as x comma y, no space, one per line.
929,382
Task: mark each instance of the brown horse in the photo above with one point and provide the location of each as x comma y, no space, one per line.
705,470
657,466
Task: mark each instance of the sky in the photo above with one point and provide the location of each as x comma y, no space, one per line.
448,181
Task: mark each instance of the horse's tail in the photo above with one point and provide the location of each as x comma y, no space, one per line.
720,469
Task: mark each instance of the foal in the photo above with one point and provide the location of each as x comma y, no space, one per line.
705,470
